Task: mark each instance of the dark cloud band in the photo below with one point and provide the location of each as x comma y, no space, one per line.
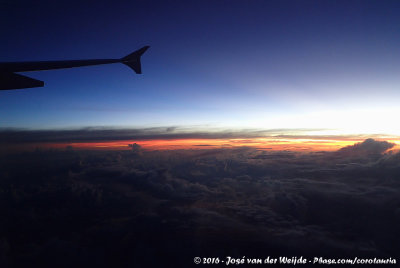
160,133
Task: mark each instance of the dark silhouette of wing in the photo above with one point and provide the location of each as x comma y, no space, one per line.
133,60
10,80
17,81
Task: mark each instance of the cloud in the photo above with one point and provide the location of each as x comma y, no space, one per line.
8,136
367,147
136,148
185,203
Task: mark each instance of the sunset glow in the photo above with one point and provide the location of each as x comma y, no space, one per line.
270,143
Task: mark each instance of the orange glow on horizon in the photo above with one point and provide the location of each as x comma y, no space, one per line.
268,143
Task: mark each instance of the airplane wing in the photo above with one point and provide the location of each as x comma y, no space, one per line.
133,60
17,81
10,80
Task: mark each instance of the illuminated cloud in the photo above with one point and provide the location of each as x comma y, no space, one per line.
367,147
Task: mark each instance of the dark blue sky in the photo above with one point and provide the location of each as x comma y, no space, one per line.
212,64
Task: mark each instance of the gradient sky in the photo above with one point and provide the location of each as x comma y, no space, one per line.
332,65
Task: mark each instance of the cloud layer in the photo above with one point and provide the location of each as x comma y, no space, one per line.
145,207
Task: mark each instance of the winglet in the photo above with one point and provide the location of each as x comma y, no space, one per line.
133,60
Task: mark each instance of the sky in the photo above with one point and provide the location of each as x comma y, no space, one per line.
325,67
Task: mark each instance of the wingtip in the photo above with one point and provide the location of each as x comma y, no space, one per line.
142,50
133,59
